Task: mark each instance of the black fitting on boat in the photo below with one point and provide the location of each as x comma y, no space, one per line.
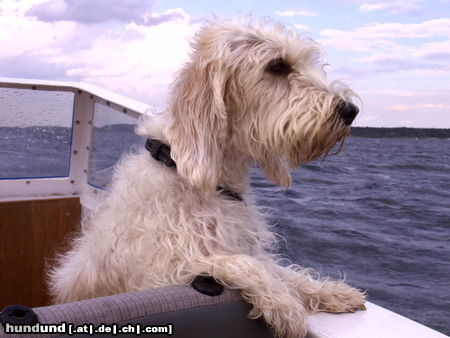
18,315
207,285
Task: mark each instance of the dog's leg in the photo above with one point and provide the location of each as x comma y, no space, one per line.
322,295
81,273
268,294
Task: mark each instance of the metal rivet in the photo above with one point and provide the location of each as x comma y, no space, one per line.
90,122
33,87
77,121
95,191
72,181
27,182
79,92
125,110
108,103
75,152
87,148
85,171
92,96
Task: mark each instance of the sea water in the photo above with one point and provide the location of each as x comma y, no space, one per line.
378,212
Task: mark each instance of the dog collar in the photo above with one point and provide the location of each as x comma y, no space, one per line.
161,153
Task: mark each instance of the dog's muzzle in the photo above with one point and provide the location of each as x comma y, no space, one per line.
347,111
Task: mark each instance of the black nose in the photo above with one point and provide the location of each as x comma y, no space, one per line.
347,111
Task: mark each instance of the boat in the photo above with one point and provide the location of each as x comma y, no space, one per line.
42,205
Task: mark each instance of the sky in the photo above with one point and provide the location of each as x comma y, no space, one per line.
394,54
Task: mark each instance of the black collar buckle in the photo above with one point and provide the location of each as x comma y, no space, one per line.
161,153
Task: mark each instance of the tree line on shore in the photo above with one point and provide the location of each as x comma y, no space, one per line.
400,132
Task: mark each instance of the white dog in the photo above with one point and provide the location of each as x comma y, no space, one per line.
250,93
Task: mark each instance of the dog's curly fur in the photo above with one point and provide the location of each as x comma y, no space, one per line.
250,93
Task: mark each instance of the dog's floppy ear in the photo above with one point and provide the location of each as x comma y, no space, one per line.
276,169
198,130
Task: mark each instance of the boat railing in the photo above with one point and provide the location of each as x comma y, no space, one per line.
82,118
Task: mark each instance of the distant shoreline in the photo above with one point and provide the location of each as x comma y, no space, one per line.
368,132
372,132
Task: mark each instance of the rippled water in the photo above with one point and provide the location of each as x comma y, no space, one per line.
378,212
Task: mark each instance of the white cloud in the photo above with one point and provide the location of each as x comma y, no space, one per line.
292,12
363,36
140,68
397,92
169,15
392,7
301,27
100,11
367,118
381,46
426,106
399,107
137,60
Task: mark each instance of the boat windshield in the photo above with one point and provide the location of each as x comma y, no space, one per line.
112,135
35,133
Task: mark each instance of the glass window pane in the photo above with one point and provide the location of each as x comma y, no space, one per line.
112,135
35,133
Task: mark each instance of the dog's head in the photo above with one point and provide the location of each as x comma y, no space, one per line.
260,89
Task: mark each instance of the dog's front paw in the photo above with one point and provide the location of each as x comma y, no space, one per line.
343,299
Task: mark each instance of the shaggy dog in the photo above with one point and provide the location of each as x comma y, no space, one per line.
250,93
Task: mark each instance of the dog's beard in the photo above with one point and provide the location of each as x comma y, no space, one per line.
309,150
309,130
302,132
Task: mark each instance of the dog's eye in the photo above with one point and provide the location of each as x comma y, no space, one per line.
278,67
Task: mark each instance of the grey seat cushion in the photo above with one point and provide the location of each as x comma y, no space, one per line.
191,313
